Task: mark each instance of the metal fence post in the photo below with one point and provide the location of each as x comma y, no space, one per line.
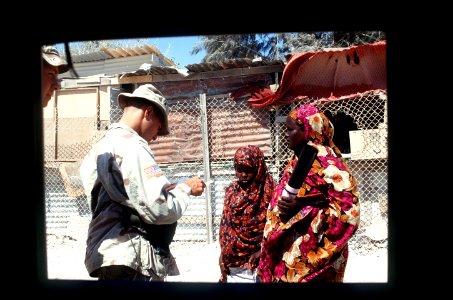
206,166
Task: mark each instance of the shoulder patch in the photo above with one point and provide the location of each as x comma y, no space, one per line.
153,171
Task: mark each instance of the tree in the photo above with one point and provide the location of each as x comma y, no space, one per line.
274,46
222,47
348,39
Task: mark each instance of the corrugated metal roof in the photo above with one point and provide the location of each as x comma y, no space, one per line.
154,70
90,57
124,52
230,64
120,52
110,67
203,67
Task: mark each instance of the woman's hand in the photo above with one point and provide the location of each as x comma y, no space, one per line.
289,206
224,271
254,260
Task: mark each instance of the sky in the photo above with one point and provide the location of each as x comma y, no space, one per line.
178,49
175,48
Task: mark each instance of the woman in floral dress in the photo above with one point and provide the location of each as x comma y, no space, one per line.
307,229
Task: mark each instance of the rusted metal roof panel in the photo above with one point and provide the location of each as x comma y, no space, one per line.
207,67
184,142
230,64
153,70
229,129
213,86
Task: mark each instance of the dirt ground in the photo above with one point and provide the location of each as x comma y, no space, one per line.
197,261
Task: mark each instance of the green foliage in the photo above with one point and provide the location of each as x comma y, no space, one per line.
222,47
274,46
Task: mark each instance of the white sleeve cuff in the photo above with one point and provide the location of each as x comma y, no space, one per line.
185,188
291,190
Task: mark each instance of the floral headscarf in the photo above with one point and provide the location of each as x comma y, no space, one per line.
318,128
312,244
244,211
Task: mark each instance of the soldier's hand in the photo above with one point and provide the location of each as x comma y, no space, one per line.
196,185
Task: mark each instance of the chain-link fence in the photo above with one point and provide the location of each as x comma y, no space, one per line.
205,133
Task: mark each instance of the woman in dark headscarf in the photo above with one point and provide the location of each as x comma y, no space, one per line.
244,214
306,235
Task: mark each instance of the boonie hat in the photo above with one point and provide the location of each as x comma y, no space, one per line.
52,57
150,93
